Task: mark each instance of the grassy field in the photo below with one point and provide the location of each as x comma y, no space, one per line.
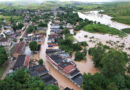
7,18
100,28
119,11
126,30
48,5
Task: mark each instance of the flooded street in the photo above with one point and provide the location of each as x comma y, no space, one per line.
92,39
62,80
102,18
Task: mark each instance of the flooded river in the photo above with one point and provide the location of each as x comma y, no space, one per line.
62,80
93,38
102,18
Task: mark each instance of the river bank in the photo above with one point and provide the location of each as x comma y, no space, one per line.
103,19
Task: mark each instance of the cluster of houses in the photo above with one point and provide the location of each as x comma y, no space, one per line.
23,57
61,61
58,58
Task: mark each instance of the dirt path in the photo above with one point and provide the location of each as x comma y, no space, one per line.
10,65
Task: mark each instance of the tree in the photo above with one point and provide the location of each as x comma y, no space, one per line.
42,24
40,61
97,53
21,39
61,27
128,68
31,29
51,87
94,82
21,80
20,25
80,55
114,63
33,45
112,86
3,55
120,81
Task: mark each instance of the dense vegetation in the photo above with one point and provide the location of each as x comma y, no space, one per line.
119,11
3,55
33,45
81,55
17,26
100,28
112,64
21,80
99,82
126,30
40,61
67,45
69,16
31,29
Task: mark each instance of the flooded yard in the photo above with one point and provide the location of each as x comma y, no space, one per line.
86,66
111,40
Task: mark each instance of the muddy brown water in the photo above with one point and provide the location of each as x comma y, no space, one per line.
61,79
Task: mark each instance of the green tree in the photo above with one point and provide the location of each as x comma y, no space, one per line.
40,61
114,63
31,29
112,86
33,45
21,80
51,87
97,53
3,55
42,24
94,82
21,39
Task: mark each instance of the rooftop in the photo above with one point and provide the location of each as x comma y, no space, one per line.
19,47
38,70
41,71
20,61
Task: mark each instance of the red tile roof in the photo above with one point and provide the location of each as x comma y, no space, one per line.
26,62
19,47
69,68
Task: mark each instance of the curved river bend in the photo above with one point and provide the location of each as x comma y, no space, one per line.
102,18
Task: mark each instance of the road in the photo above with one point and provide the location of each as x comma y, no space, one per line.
11,63
62,80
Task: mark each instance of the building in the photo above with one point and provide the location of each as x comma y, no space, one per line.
19,49
4,42
61,61
40,70
21,62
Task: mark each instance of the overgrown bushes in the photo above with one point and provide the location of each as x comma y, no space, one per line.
112,64
100,28
126,30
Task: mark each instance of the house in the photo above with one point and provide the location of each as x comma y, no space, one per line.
19,49
69,26
55,26
40,70
39,38
4,42
21,62
61,61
